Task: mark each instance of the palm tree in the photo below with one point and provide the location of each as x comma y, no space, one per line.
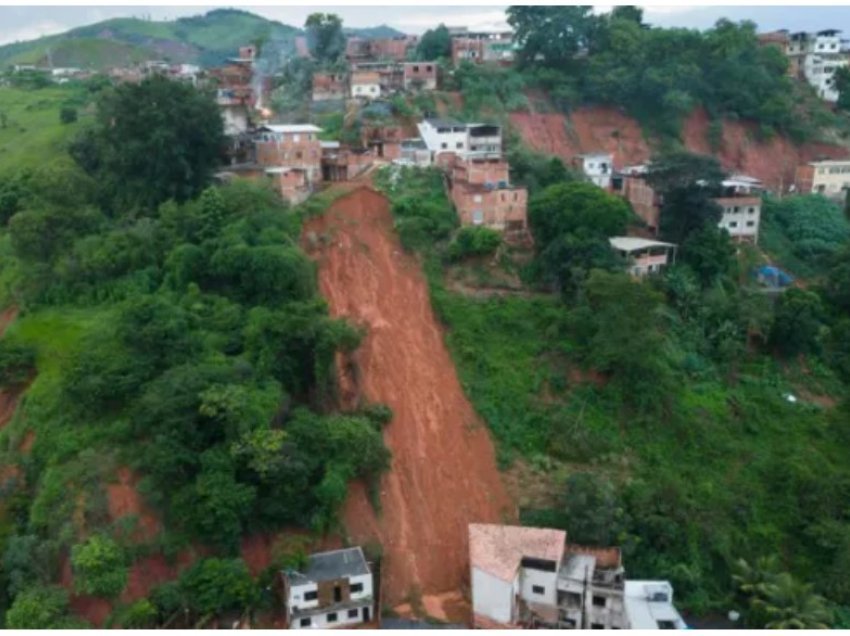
791,604
751,584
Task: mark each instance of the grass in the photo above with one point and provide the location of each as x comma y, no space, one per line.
32,128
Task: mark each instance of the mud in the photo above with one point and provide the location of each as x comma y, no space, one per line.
609,129
443,473
125,501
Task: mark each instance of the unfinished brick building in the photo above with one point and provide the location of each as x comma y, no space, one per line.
344,164
419,76
480,188
384,141
329,86
291,148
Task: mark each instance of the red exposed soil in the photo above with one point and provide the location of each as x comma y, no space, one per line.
125,501
586,130
148,572
604,128
258,550
8,403
27,442
773,161
443,473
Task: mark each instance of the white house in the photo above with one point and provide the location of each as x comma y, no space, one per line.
649,605
334,590
531,577
817,56
741,217
597,166
831,177
447,135
644,256
365,85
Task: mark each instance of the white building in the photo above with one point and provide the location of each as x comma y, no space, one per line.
649,605
597,166
334,590
817,56
644,256
533,578
830,178
365,85
447,135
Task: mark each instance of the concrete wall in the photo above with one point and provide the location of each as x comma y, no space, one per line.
741,217
296,600
831,179
492,597
547,580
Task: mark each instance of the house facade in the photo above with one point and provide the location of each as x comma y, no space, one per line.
815,57
531,577
419,76
485,47
365,85
335,589
291,154
329,87
443,136
741,217
597,167
644,256
830,178
649,605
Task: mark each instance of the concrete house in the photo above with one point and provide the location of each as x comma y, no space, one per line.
597,167
649,605
287,149
443,136
484,47
335,589
741,204
830,178
329,87
365,85
531,577
815,57
420,76
644,256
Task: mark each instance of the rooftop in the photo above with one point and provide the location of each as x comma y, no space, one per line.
649,605
830,162
444,123
291,128
498,549
329,566
634,243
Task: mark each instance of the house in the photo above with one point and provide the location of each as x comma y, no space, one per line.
830,178
290,148
420,76
741,205
390,74
815,57
344,164
414,152
531,577
335,589
329,86
649,605
597,167
393,49
365,85
385,141
484,47
443,136
644,256
631,184
480,188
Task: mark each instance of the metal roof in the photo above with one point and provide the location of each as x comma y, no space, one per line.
634,243
291,128
329,566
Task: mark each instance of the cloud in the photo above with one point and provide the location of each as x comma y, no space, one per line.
33,31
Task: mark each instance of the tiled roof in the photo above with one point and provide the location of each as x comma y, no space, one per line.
498,550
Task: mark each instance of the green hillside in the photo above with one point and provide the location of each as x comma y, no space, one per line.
206,39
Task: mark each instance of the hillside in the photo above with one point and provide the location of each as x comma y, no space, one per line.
206,39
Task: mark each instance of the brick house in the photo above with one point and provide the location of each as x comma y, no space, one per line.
365,85
290,183
385,141
285,149
478,48
630,183
329,86
344,164
479,187
420,76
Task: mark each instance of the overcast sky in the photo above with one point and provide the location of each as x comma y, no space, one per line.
24,23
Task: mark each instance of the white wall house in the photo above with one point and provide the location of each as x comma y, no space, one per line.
334,590
649,605
597,167
817,56
447,135
365,85
532,577
830,178
644,256
741,217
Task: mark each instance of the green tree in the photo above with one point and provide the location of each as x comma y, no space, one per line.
791,604
797,323
215,585
435,44
325,38
592,511
41,608
154,141
100,567
841,82
709,252
554,33
68,115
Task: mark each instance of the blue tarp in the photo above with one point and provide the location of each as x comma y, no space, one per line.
773,276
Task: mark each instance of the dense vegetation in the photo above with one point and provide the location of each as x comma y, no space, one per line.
656,411
174,329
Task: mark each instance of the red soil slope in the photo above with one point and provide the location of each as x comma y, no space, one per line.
605,128
443,473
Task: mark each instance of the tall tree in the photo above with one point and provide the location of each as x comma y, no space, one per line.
154,141
325,38
841,81
552,34
434,44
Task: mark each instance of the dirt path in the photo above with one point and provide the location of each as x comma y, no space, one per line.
444,474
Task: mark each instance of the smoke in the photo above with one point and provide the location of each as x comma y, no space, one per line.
273,56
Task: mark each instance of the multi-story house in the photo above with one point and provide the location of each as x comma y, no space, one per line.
365,85
480,188
741,205
329,87
479,48
335,589
643,256
285,150
532,577
830,178
597,167
443,136
419,76
815,57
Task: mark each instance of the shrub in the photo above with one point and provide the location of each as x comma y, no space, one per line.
17,362
68,115
99,566
474,241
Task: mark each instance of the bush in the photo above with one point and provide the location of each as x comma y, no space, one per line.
17,362
214,585
474,241
41,608
100,567
68,115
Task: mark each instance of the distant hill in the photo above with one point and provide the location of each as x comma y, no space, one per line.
207,40
373,33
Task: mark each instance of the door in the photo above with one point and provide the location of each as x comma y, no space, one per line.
366,613
337,594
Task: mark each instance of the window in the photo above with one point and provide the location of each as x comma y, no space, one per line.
444,145
305,622
353,613
459,145
296,138
356,587
332,617
477,198
733,224
737,209
311,596
751,223
666,625
298,155
751,211
477,217
599,601
415,69
538,589
373,89
597,626
429,68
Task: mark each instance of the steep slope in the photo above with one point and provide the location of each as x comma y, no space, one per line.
604,128
443,473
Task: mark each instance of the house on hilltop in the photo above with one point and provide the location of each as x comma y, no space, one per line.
335,589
